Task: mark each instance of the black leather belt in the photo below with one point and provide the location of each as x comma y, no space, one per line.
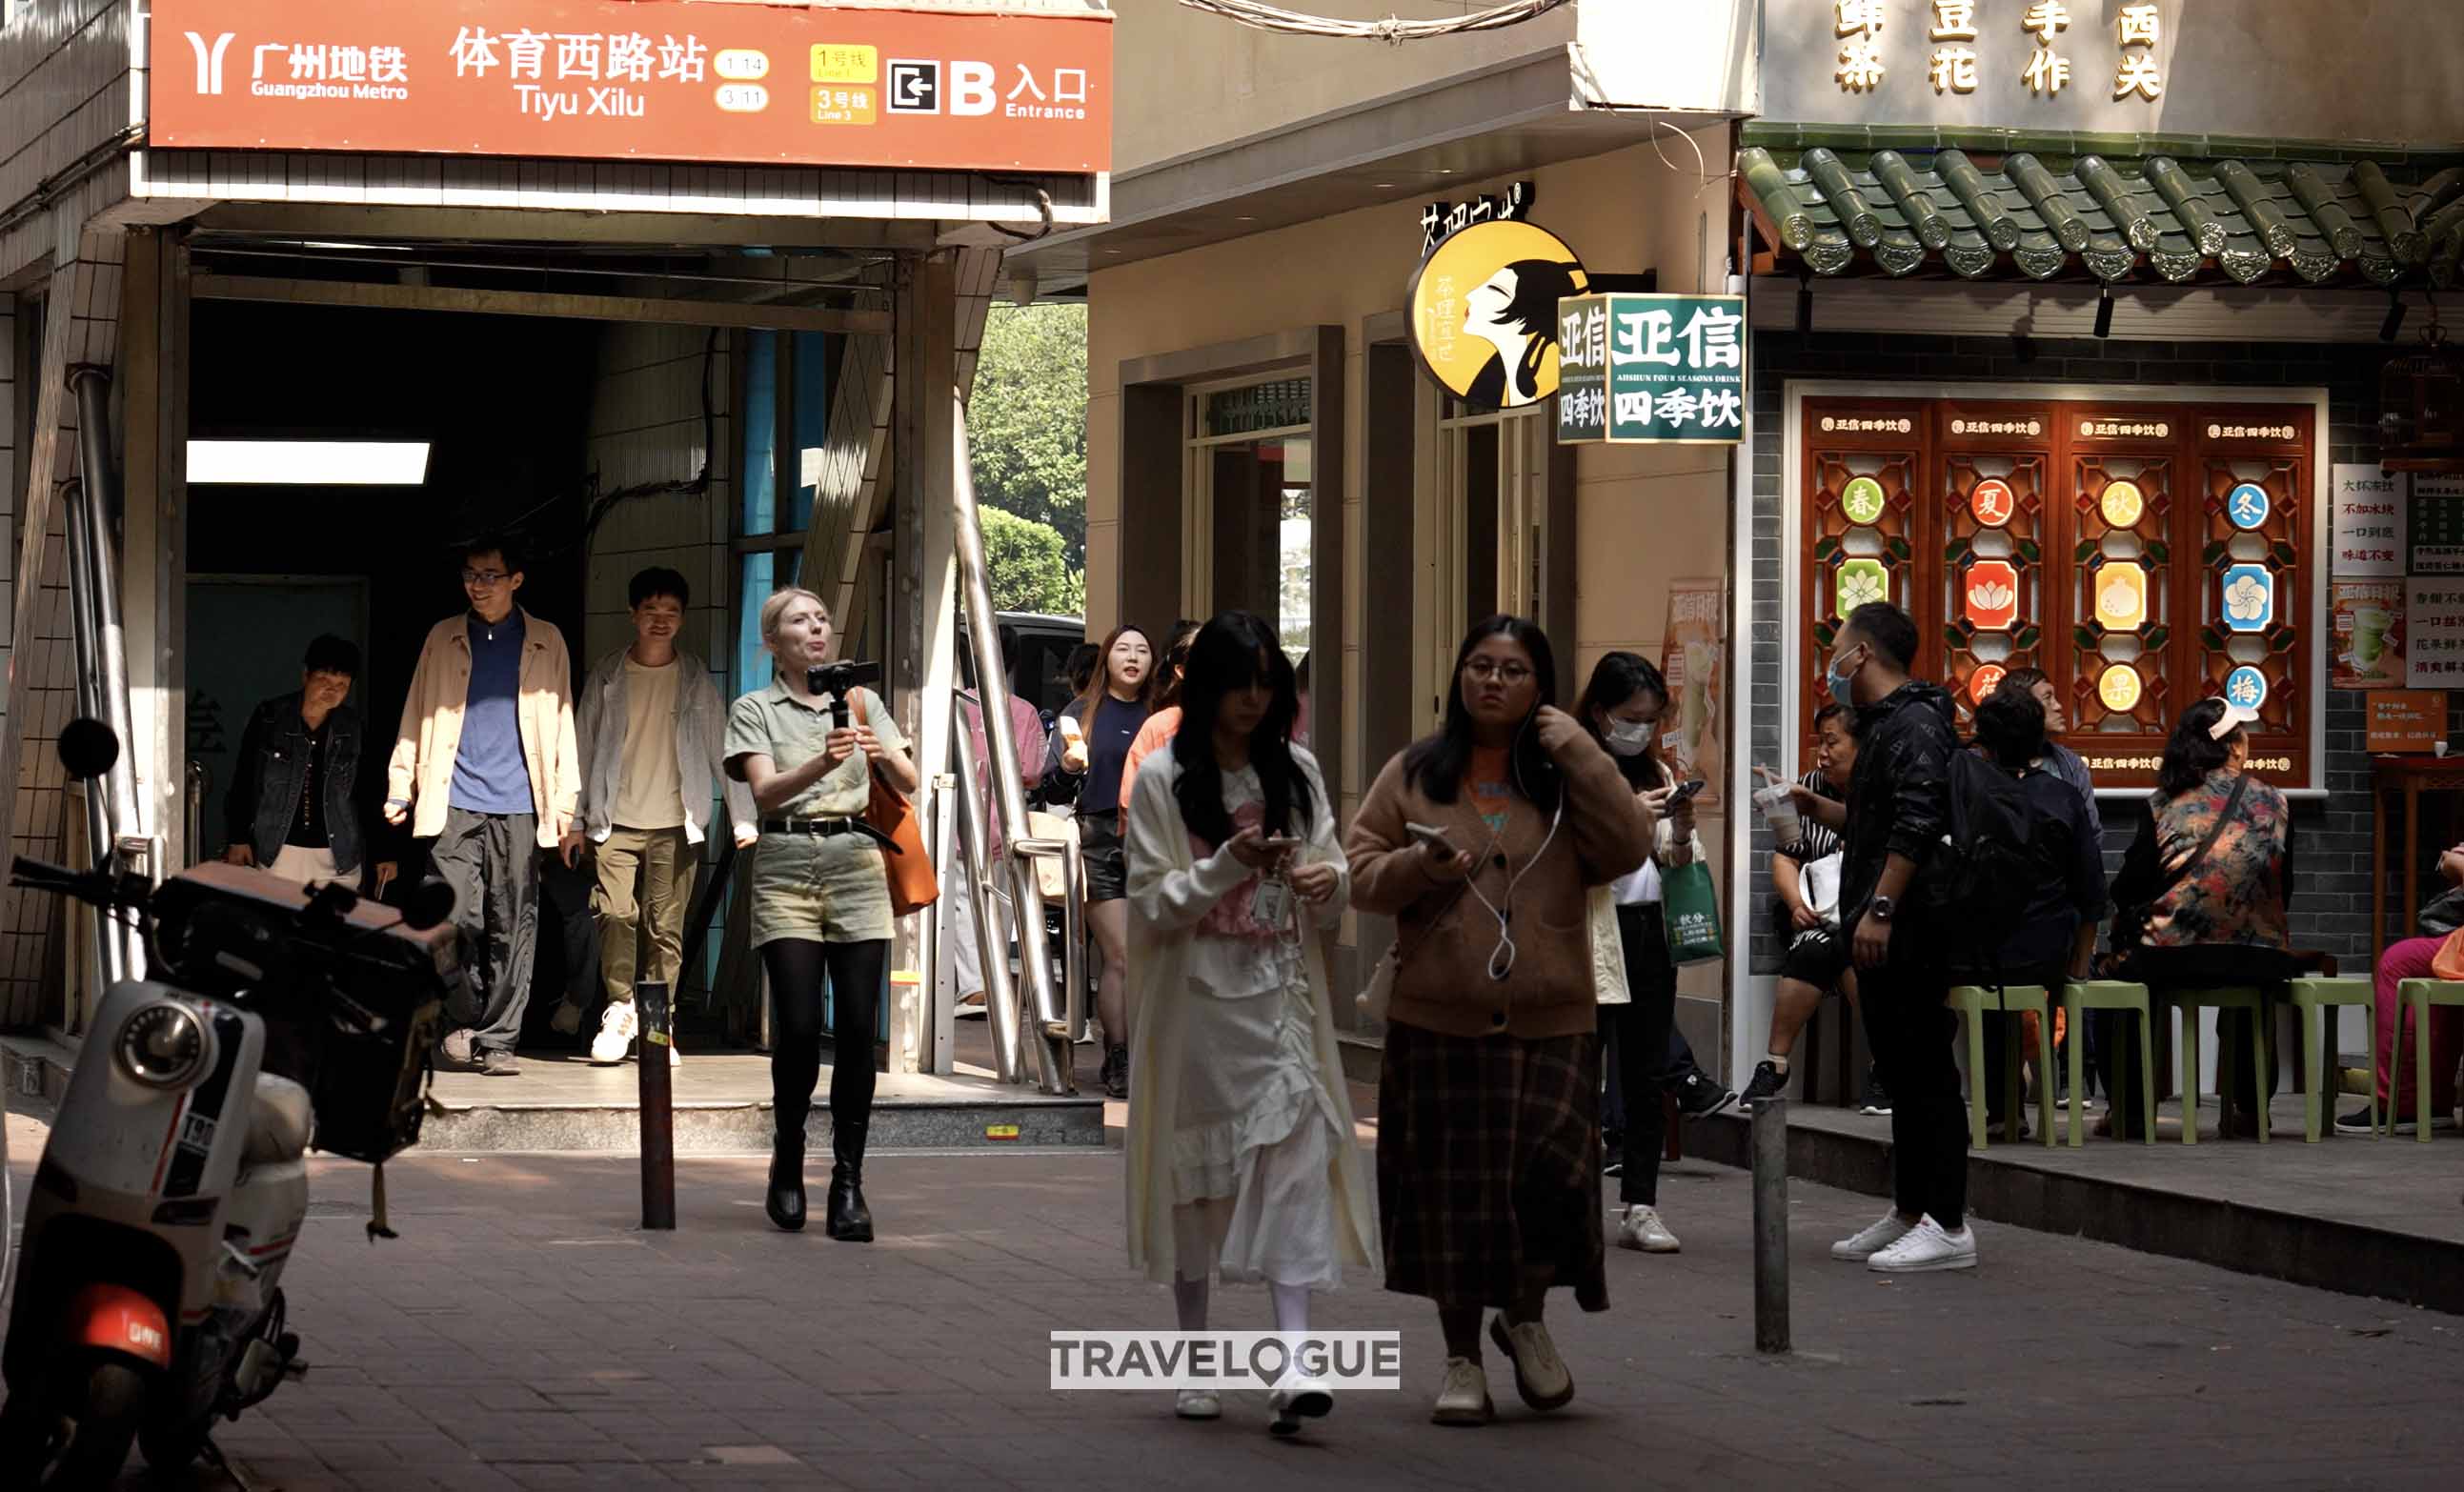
820,827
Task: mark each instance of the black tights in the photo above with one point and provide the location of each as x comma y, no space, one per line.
796,966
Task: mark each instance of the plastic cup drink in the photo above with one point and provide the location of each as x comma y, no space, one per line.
1779,809
2370,626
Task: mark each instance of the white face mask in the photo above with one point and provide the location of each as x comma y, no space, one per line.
1631,738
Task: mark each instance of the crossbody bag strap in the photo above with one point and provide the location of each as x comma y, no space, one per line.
2224,820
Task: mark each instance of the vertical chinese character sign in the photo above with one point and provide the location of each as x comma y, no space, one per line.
1484,313
2369,520
2434,632
1654,369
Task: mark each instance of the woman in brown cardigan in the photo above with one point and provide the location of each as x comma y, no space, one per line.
1488,1104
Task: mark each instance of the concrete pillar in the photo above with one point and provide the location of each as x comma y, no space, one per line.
923,607
80,311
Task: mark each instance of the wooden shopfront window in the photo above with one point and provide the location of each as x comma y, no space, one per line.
2144,555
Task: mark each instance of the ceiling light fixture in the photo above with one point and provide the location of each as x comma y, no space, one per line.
308,463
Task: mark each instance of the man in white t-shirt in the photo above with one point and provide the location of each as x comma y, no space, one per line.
650,722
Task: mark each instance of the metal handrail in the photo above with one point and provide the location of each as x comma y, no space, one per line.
992,943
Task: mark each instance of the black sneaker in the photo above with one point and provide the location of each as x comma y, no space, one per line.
499,1063
1768,1082
1116,1072
1698,1097
1877,1101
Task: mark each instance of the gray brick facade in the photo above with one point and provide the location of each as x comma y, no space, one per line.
2331,905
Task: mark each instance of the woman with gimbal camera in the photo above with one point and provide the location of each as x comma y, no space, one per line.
808,745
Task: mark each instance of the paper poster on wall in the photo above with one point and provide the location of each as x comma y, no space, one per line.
2433,632
2369,620
2404,722
1691,658
2437,524
2369,520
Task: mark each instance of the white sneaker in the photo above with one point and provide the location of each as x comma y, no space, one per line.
1876,1238
1305,1398
1540,1373
567,1019
1642,1229
617,1028
972,1007
1463,1399
1928,1247
1198,1404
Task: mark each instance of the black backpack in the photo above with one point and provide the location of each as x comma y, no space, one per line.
1976,885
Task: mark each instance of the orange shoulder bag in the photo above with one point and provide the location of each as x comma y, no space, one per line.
913,884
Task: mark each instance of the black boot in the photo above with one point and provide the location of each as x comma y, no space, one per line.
850,1222
785,1202
1116,1072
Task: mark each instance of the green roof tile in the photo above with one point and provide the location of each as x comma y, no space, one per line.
1895,199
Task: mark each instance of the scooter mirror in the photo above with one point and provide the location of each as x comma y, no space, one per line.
88,749
430,902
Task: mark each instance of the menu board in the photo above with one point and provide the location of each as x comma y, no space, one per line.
2369,520
2406,723
2437,524
2434,632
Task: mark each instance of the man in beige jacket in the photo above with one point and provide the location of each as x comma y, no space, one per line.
486,766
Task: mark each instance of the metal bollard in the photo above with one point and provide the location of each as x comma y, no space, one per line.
652,1007
1771,1226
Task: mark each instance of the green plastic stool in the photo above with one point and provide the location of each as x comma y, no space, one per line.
2418,996
2231,997
2078,999
1972,1002
2313,997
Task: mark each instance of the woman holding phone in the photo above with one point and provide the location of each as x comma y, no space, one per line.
1240,1151
1636,984
1488,1177
1086,763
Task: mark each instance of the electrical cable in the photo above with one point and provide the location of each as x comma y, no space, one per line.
1392,29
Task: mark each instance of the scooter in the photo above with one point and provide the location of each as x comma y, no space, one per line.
148,1298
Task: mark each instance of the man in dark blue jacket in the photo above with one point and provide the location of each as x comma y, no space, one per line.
1898,811
294,806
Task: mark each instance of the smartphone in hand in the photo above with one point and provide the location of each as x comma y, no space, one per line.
1435,839
1684,792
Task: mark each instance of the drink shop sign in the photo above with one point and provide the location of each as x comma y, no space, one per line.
1651,369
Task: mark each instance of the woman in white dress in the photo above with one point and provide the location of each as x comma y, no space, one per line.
1240,1151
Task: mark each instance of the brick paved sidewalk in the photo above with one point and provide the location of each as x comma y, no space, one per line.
522,1334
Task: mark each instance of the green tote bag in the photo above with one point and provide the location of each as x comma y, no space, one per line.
1693,908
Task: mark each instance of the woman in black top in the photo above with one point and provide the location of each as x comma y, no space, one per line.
1107,718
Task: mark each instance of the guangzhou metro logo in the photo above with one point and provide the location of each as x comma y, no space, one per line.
210,61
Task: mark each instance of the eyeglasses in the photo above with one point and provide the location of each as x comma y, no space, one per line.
1482,670
484,577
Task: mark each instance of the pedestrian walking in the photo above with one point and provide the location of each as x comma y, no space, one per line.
294,806
1240,1151
1635,980
486,765
1899,806
820,899
650,726
1161,726
1087,765
1481,840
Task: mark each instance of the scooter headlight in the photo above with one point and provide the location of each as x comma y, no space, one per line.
163,1045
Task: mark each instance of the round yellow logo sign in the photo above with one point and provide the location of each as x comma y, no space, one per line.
1485,312
2120,689
2123,503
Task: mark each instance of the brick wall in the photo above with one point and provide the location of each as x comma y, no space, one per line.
2331,906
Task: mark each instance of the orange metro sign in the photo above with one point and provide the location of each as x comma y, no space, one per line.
681,80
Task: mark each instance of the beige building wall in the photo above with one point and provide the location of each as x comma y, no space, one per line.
1644,516
1191,81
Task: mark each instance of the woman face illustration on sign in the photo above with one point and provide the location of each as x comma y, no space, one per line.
1515,311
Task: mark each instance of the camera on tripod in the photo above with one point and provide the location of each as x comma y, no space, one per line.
839,680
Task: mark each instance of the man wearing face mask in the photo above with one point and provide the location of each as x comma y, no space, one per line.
1898,810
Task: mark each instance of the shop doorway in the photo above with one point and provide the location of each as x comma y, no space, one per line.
1248,526
1492,517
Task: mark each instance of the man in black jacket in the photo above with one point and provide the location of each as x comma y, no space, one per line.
1898,811
295,806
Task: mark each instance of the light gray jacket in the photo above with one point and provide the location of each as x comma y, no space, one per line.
701,720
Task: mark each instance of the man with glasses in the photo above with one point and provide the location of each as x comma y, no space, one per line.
486,766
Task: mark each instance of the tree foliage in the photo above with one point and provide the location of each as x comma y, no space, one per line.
1026,420
1029,570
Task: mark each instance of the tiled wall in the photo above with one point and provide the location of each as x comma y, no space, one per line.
2331,906
647,427
65,89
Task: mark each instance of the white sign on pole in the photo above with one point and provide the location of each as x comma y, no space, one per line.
2369,520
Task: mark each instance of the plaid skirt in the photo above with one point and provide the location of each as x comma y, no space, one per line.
1488,1173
